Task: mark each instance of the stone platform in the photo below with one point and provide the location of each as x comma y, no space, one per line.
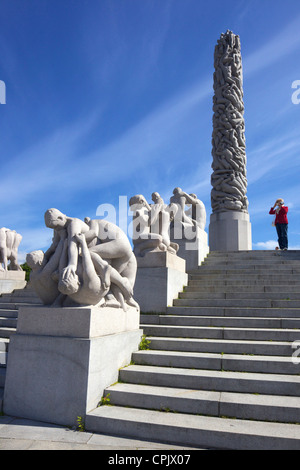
61,359
11,280
160,276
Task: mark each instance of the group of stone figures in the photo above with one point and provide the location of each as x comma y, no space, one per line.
91,262
228,180
157,226
9,244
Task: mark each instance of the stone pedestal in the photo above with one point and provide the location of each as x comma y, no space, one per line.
61,359
160,277
230,231
193,251
11,280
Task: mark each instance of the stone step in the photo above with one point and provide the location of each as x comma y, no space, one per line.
280,269
255,303
256,254
8,322
194,293
209,403
282,291
8,298
250,263
221,362
6,332
248,278
293,284
190,430
261,334
268,348
202,379
236,322
8,313
235,311
13,305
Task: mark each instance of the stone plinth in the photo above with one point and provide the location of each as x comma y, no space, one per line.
193,251
230,231
11,280
160,277
61,359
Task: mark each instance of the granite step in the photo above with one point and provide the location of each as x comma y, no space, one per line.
221,362
8,322
193,430
261,334
283,409
239,282
241,322
196,293
215,380
256,255
7,332
255,303
268,348
235,311
8,313
279,270
226,276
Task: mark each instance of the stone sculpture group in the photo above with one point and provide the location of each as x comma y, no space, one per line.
89,262
9,244
157,226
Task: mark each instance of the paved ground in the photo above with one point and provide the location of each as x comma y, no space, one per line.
23,434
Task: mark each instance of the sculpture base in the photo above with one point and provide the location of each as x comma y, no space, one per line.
11,280
61,359
230,231
193,251
160,277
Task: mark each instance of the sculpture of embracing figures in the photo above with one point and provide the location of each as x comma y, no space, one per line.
89,262
9,244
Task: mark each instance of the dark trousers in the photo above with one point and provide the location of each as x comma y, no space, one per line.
282,232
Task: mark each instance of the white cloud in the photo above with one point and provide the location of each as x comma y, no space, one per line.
282,44
268,245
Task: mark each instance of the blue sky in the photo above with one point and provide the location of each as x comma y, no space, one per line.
109,98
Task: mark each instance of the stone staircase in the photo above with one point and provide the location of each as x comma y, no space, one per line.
9,305
219,371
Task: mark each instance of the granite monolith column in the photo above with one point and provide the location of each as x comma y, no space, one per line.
230,228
